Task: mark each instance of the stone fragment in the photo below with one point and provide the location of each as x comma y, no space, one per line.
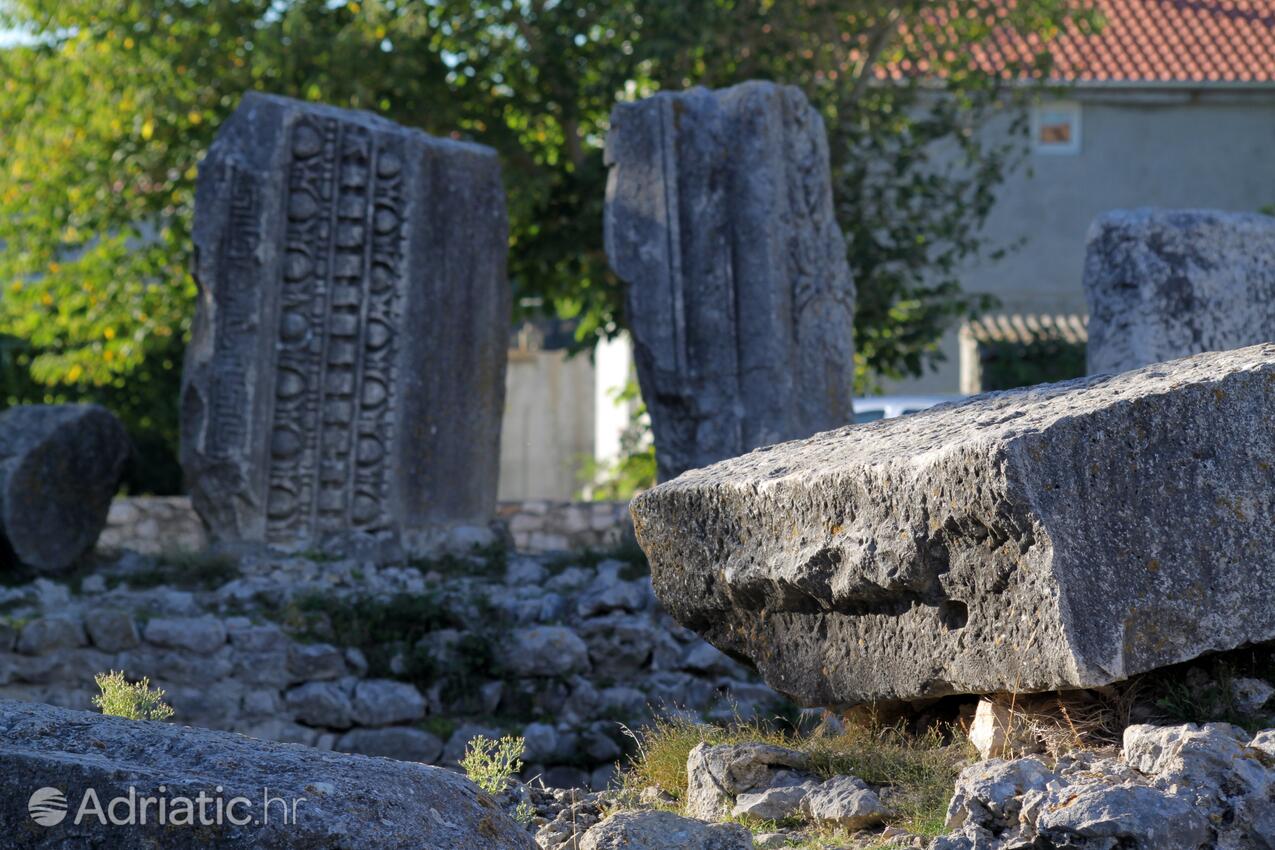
1037,539
997,731
1264,741
604,596
394,742
664,831
719,218
619,644
315,661
1197,757
1136,817
320,704
524,572
546,651
351,802
604,777
345,376
845,802
623,702
541,742
195,634
599,744
60,465
49,634
1163,284
111,630
774,803
382,702
989,793
259,638
716,775
1251,694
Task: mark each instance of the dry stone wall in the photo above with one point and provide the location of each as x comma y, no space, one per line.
153,525
407,660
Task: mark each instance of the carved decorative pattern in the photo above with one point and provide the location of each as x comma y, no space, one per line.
235,318
808,232
340,288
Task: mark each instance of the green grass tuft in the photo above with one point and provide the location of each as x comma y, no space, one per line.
921,769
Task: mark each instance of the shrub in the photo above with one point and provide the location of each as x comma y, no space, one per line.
491,764
119,698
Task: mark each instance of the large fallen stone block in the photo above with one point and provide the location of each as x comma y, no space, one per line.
66,766
719,218
346,372
1060,536
60,465
1163,284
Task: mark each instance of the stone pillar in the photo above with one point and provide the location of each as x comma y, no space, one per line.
60,465
1163,284
719,218
345,377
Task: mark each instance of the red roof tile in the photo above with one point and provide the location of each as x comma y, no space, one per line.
1162,41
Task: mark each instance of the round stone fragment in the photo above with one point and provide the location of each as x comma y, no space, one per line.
60,466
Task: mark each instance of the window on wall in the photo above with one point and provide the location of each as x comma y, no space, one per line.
1056,127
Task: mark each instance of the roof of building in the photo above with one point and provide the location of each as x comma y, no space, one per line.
1028,328
1148,41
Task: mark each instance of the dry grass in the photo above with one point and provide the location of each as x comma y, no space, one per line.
920,769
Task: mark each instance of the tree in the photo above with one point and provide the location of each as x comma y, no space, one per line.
107,112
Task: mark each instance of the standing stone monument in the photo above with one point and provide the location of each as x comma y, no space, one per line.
60,465
346,370
1163,284
719,218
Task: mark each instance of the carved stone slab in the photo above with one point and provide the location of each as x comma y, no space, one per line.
346,368
1163,284
719,217
1060,536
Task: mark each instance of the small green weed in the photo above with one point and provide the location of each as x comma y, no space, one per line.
491,764
119,698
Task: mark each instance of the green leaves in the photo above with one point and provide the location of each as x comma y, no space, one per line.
106,114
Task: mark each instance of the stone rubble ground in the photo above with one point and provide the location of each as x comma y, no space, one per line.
1183,787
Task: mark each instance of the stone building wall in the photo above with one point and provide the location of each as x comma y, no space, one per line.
156,524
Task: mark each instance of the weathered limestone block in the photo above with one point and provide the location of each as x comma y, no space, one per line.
346,367
346,801
60,465
1060,536
719,217
1163,284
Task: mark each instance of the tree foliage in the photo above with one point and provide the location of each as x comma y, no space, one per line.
108,107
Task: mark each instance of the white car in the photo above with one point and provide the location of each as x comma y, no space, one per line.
872,408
